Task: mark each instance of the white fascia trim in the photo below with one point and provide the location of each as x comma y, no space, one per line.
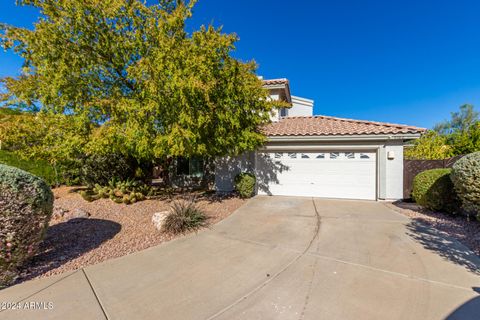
365,137
274,86
304,101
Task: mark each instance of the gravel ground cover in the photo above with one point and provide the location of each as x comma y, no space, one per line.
111,230
455,226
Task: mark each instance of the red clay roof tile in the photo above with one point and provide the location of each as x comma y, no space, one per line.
271,82
326,126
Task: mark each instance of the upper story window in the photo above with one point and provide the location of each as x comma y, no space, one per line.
283,112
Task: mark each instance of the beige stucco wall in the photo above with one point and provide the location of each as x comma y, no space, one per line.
227,168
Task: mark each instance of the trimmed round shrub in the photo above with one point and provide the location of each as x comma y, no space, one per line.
26,203
466,178
245,184
433,189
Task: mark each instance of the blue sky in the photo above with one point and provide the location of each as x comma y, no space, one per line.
398,61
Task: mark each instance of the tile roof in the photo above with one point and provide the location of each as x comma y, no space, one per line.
330,126
272,82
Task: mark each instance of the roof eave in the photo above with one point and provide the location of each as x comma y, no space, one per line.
359,137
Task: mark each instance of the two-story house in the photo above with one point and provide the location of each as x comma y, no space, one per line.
322,156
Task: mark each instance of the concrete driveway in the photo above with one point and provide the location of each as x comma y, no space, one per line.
275,258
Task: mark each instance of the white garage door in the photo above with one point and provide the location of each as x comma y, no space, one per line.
333,174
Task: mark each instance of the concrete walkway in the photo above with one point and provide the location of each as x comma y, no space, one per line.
275,258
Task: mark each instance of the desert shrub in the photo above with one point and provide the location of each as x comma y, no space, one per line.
245,184
433,189
466,178
185,215
26,203
100,169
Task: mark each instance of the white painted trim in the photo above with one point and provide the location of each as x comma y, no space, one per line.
274,86
303,101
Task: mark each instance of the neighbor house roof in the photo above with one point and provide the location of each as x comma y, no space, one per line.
281,84
273,82
330,126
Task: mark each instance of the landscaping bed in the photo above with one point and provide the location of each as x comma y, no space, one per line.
455,226
104,229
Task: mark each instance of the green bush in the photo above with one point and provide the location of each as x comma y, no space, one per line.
466,178
433,189
245,184
37,167
184,216
100,169
26,203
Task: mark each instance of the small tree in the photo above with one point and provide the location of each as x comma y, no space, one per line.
430,146
460,121
466,142
457,136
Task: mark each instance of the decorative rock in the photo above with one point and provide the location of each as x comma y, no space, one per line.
158,219
76,214
58,212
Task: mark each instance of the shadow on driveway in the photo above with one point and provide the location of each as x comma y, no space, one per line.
468,310
443,245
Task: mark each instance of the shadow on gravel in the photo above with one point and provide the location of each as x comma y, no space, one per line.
66,241
445,246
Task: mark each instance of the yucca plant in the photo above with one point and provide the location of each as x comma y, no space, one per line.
185,215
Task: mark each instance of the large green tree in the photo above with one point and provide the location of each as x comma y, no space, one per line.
140,83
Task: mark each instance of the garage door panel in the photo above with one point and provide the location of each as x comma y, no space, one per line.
350,175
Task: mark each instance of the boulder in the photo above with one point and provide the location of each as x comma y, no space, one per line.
58,213
76,214
158,219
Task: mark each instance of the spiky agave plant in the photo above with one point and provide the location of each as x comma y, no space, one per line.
185,215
